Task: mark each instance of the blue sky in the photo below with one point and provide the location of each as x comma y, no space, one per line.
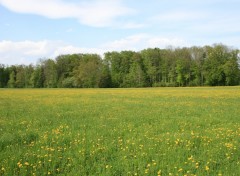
34,29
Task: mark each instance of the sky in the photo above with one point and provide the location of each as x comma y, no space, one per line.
39,29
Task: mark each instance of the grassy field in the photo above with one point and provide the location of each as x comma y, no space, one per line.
152,131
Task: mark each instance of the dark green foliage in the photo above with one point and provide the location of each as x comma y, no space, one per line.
88,73
151,60
216,65
65,64
37,77
50,73
12,80
2,76
136,76
114,60
20,76
5,75
105,77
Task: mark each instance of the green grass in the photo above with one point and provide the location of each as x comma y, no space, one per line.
152,131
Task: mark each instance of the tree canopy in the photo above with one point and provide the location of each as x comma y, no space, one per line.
216,65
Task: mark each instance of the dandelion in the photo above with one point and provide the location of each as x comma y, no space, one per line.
197,166
26,164
146,171
206,168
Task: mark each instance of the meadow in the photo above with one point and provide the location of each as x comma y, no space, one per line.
147,131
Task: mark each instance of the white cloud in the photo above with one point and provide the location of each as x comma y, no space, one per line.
69,49
143,41
97,13
26,52
128,43
163,42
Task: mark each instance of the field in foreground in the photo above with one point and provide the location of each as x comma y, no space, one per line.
155,131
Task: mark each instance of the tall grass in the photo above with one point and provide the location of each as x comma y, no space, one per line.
152,131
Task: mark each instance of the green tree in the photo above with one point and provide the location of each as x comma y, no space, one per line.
37,77
29,69
88,73
216,65
114,60
50,73
2,76
198,57
105,76
119,65
152,60
65,65
11,82
20,76
136,76
231,69
180,73
213,65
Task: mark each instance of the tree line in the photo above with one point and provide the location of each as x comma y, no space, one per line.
216,65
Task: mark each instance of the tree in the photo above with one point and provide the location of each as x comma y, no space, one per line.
217,56
114,60
119,65
37,77
11,82
29,69
50,73
198,57
136,76
231,69
216,65
105,76
87,75
2,76
65,65
180,73
20,76
152,59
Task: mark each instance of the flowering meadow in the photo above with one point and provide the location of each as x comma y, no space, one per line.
147,131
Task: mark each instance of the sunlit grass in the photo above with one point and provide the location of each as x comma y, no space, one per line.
152,131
